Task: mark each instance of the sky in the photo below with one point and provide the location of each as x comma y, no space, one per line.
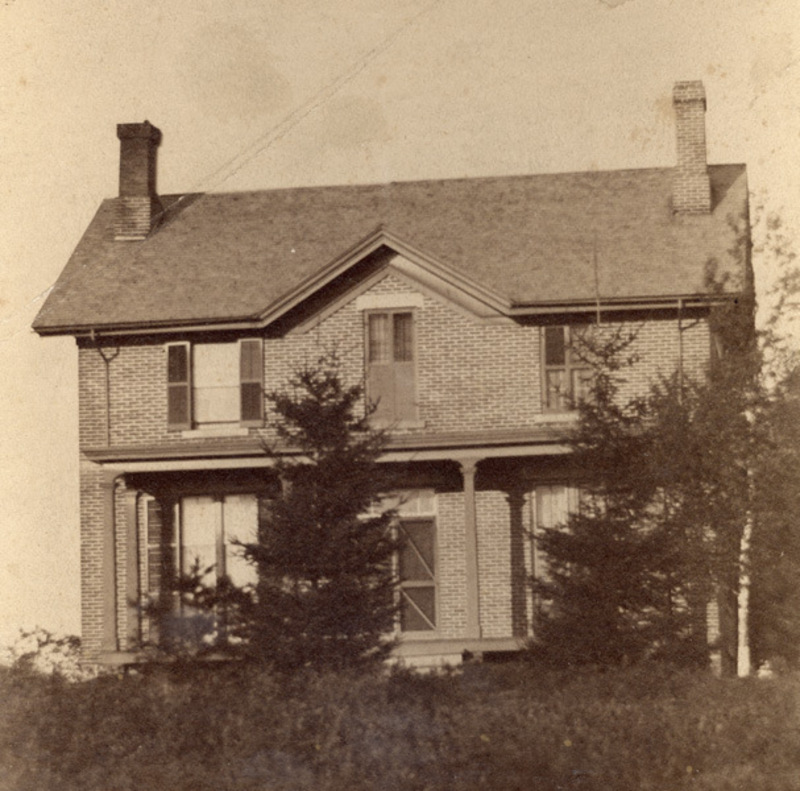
256,95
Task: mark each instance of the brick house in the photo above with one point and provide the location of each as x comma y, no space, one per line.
454,300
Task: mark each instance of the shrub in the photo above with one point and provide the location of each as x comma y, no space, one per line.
510,726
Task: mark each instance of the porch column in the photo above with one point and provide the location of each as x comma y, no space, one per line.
471,549
110,642
132,593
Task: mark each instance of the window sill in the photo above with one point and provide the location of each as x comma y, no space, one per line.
427,634
558,417
397,425
215,431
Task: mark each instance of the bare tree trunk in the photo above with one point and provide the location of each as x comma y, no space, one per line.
743,663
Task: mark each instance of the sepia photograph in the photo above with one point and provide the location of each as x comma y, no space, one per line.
400,396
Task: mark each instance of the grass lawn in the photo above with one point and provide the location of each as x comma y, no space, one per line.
488,727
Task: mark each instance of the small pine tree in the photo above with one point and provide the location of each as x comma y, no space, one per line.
326,591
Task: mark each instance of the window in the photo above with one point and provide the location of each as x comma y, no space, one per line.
208,525
212,384
417,561
567,379
553,505
417,568
200,532
197,533
390,365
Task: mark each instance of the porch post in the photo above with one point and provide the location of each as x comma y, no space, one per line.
132,593
471,549
110,642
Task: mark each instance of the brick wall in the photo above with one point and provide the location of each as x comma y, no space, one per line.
452,569
470,374
91,502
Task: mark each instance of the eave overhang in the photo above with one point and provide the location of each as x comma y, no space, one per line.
250,453
543,309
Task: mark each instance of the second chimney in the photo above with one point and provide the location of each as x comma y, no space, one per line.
138,206
691,188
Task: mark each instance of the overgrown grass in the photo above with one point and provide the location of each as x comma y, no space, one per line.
498,727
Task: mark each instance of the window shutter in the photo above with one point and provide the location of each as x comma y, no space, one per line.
250,368
555,346
155,526
161,548
179,390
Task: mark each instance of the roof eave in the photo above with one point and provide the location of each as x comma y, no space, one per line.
234,324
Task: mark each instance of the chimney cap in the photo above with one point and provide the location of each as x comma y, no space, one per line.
689,91
145,130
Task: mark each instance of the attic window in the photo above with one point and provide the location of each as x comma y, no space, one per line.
390,356
214,384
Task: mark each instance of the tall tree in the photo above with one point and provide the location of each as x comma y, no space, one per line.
326,591
667,506
609,596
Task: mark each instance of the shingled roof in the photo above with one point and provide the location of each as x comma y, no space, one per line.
535,241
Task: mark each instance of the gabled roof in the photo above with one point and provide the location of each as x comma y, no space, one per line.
527,242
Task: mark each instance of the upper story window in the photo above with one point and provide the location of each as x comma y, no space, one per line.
213,384
390,357
566,379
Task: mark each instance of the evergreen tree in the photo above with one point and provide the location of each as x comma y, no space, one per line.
775,607
326,591
667,497
609,595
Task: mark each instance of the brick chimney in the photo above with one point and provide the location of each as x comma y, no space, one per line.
691,192
138,206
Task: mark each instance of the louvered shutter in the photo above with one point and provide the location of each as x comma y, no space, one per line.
250,381
179,389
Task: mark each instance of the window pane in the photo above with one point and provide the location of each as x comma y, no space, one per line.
553,505
418,609
379,347
200,526
556,390
554,346
581,384
417,554
403,339
240,519
216,404
216,383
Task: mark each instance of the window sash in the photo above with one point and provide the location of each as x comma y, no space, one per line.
417,575
391,376
215,383
553,504
565,380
